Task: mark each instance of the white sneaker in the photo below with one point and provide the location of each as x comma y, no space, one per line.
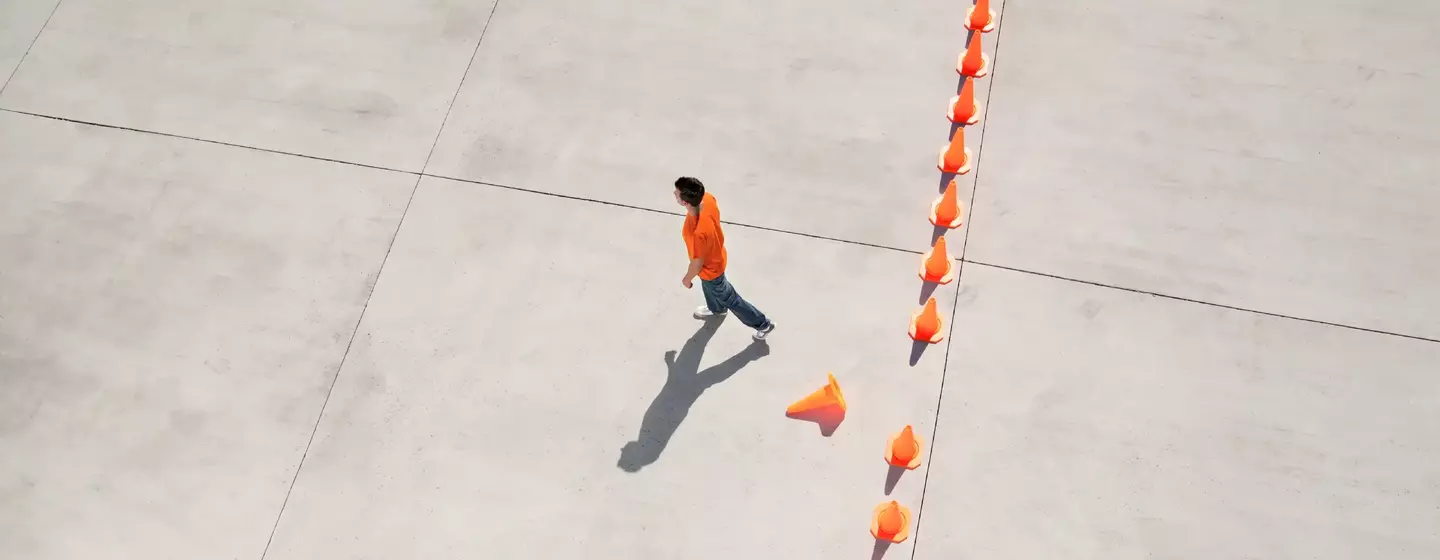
704,312
760,334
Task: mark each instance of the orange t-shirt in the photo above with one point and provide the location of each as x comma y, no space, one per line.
704,240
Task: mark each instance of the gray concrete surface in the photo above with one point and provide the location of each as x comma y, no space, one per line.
20,23
776,102
490,410
1276,156
173,312
365,81
1089,423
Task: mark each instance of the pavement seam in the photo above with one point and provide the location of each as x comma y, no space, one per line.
959,277
939,398
206,141
1196,301
964,244
980,149
677,214
21,62
379,273
339,368
461,86
471,181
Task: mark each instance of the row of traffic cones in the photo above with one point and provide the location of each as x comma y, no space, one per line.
891,521
937,267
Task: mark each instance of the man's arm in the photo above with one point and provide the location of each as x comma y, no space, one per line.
692,271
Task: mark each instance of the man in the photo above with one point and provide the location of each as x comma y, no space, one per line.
705,244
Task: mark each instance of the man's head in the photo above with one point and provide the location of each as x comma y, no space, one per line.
689,191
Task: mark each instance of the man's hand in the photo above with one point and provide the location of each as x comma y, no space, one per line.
686,282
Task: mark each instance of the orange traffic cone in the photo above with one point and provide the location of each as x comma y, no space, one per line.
926,325
946,211
937,266
973,63
903,449
963,108
823,398
980,17
955,158
891,522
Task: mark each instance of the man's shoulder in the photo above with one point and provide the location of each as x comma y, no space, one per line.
709,208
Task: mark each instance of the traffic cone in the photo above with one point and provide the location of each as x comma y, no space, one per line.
946,210
980,17
903,449
955,158
891,522
823,398
926,325
973,63
937,267
963,108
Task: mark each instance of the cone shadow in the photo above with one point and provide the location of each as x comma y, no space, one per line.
938,233
944,176
881,546
892,477
927,289
944,179
917,349
828,419
684,383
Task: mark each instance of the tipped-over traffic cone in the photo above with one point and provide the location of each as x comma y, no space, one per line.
955,157
937,267
903,449
973,63
891,522
823,398
963,108
926,325
980,17
946,210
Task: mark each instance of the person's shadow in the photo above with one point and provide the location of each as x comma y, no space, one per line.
683,386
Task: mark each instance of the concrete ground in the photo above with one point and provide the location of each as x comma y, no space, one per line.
304,280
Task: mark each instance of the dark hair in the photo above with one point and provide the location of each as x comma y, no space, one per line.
692,191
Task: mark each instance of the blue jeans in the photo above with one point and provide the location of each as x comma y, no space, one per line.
720,296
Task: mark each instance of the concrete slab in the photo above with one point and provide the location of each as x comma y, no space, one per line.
20,23
511,393
362,81
1081,422
814,118
171,315
1254,154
